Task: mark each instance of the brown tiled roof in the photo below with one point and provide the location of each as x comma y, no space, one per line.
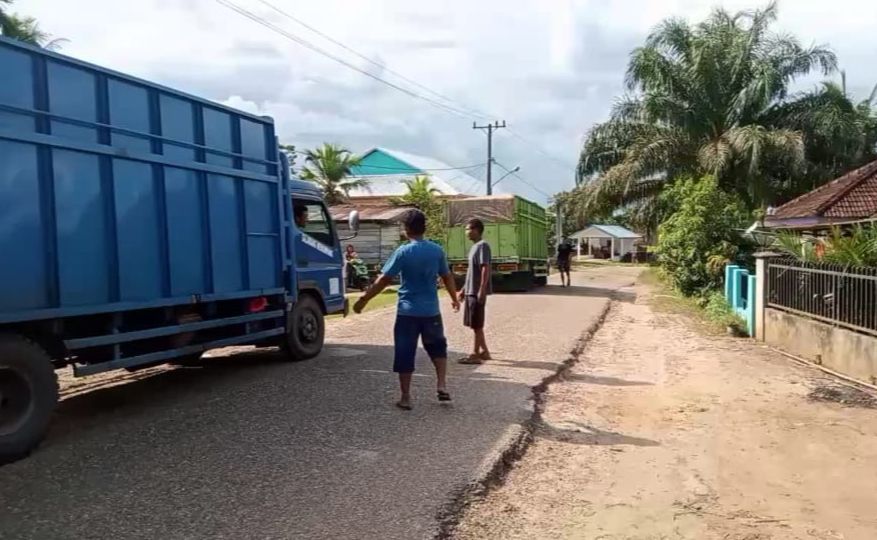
367,213
852,196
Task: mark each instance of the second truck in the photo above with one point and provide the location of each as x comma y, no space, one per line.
514,227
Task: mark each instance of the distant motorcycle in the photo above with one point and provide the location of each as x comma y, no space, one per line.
357,275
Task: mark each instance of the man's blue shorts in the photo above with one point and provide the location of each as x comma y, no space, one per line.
406,333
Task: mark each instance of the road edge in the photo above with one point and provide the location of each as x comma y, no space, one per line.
494,474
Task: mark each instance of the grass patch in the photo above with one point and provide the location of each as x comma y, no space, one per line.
387,298
712,313
600,263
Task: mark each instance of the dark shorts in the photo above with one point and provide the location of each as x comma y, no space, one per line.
408,330
563,265
473,313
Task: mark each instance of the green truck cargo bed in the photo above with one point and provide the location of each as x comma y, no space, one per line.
514,227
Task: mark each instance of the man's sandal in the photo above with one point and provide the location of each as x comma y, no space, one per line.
443,396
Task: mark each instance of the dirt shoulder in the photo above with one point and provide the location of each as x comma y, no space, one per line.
662,432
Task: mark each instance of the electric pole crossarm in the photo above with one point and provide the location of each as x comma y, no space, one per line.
490,129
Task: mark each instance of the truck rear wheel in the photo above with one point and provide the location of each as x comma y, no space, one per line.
305,329
28,395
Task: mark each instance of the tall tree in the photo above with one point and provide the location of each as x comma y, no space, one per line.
25,29
330,167
421,194
291,154
706,99
839,135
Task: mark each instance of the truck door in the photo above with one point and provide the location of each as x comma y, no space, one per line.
318,253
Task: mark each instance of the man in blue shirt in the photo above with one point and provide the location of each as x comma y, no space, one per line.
419,263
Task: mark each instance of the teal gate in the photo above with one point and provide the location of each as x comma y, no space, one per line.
740,294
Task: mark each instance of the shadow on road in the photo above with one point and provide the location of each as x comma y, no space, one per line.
589,292
249,381
525,364
590,436
296,443
604,381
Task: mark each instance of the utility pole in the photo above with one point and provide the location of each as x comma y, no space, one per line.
490,129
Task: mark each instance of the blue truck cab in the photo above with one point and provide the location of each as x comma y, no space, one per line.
138,226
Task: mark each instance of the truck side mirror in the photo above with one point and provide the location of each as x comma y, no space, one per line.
353,225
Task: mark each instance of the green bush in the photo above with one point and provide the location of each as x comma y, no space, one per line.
701,236
718,311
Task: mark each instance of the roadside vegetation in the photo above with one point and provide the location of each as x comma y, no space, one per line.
24,28
330,167
710,134
710,314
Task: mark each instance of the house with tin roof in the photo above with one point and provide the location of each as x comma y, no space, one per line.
605,241
386,170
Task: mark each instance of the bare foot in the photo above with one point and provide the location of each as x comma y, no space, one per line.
404,403
486,356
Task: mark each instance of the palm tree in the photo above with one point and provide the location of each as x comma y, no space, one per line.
424,196
330,167
420,189
706,99
839,134
25,29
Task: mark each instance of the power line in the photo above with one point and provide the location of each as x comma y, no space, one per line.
490,129
459,109
477,165
519,177
456,104
473,166
307,44
470,110
540,150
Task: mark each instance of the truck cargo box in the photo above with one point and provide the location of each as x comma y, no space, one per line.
514,227
120,193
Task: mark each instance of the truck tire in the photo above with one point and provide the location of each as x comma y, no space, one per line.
305,329
28,395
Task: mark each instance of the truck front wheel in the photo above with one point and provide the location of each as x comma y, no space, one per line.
305,329
28,395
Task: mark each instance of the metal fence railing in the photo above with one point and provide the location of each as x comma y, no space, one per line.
836,294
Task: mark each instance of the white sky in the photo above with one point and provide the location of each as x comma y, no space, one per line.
550,68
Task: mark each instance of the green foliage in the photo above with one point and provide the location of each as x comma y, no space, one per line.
852,247
562,203
713,98
330,167
426,198
855,246
25,29
718,311
701,236
291,154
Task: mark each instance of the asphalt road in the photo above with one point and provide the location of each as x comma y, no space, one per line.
250,446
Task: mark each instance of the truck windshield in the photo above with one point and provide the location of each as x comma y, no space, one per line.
318,224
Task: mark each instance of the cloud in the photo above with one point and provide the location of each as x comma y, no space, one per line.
550,68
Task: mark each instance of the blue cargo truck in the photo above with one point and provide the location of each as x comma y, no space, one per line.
140,226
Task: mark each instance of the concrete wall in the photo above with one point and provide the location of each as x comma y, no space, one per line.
845,351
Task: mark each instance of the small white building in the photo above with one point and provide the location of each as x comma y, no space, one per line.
605,241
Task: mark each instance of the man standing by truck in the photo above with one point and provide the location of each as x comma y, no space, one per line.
475,290
419,263
564,261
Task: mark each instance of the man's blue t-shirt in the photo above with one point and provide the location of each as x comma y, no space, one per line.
419,263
